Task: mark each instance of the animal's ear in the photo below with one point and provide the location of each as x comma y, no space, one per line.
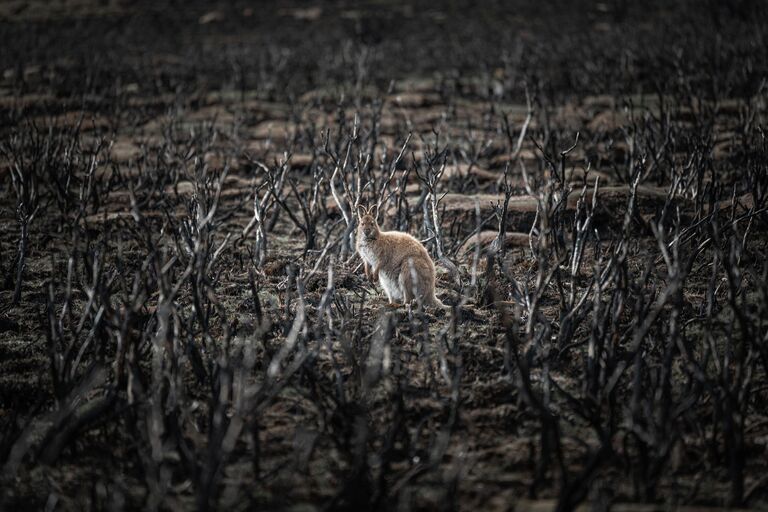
373,210
361,210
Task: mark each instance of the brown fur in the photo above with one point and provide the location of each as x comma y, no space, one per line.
398,261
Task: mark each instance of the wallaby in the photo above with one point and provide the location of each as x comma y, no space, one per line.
401,264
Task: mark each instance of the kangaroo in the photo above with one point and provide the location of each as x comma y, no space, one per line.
401,264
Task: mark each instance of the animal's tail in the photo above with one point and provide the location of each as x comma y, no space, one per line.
439,304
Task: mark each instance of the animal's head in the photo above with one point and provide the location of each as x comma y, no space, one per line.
367,224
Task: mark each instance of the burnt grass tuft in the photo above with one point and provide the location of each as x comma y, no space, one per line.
184,323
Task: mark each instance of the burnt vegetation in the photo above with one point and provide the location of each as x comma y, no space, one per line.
184,321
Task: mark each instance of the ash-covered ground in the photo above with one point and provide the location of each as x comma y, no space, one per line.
184,323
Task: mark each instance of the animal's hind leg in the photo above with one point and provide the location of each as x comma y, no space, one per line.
405,281
389,295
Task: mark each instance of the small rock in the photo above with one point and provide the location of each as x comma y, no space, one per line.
211,17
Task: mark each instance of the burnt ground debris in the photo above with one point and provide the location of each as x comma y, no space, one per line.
183,323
